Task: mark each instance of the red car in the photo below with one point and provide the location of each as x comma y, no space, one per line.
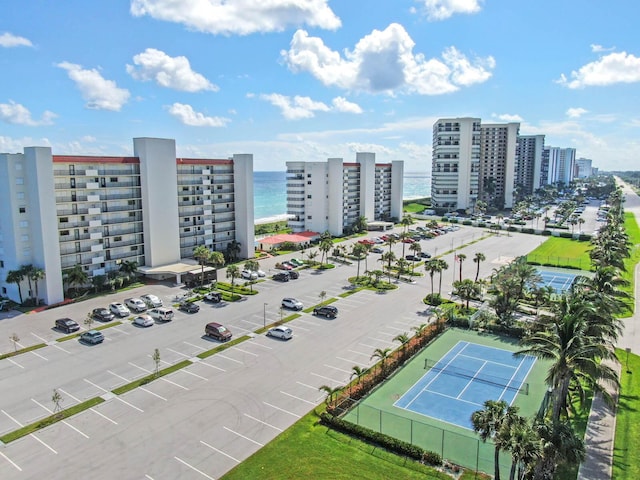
408,240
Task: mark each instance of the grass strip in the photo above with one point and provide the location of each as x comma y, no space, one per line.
325,302
279,322
350,292
632,230
76,335
50,420
23,350
223,346
151,377
626,463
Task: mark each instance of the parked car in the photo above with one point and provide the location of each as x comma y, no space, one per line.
162,314
217,331
282,332
287,263
151,300
412,258
283,266
213,297
249,274
67,325
92,336
424,255
328,311
293,275
377,250
261,273
281,277
135,305
297,262
102,315
189,307
119,310
291,304
143,320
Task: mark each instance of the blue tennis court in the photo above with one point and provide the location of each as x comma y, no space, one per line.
463,379
559,281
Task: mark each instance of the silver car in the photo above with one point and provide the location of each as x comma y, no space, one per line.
282,332
143,320
292,304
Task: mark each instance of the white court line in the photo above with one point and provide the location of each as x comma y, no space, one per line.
219,451
10,461
264,423
339,369
242,436
283,410
11,418
152,393
308,386
37,439
179,353
244,351
326,378
229,358
195,346
15,363
298,398
194,468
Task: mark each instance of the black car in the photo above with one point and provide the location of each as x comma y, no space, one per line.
281,277
293,274
328,311
102,315
412,258
424,255
67,325
189,307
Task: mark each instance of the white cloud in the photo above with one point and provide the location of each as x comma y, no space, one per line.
613,68
241,17
599,48
575,112
443,9
99,93
507,117
188,116
295,108
383,61
17,114
341,104
169,72
9,40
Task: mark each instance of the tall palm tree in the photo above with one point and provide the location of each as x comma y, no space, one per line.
560,445
406,221
358,251
27,270
233,272
16,276
403,338
233,250
202,254
36,275
76,275
216,260
488,422
477,259
332,393
518,437
325,247
461,257
381,354
403,238
431,267
443,265
401,263
388,257
129,267
467,289
416,248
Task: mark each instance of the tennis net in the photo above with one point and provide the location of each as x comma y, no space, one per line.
508,383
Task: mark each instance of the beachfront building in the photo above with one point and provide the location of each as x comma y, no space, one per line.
100,212
498,163
455,163
558,165
331,196
528,164
583,168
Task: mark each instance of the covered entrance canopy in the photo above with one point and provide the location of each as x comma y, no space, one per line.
179,271
379,225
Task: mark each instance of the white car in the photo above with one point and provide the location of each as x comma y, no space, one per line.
261,273
143,320
282,332
292,304
119,309
163,314
151,300
249,274
135,305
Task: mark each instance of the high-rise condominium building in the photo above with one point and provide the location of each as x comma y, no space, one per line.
558,165
497,163
583,168
97,212
455,163
332,195
528,164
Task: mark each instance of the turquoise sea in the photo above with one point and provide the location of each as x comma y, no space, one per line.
270,192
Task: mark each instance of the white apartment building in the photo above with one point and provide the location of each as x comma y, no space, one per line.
584,168
100,211
529,164
332,195
498,163
558,165
455,163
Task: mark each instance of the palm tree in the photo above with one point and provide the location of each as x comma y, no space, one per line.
202,254
431,267
358,372
461,257
331,393
233,272
15,276
467,289
360,224
382,354
76,275
477,259
377,275
524,444
388,257
403,238
311,254
443,265
129,267
27,270
560,444
37,274
401,264
252,266
325,247
216,260
403,338
233,250
420,329
416,249
406,221
358,251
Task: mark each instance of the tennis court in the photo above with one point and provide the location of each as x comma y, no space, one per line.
559,281
465,377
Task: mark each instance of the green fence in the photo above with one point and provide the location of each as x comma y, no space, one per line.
554,261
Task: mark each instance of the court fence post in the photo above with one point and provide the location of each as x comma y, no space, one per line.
380,422
477,455
411,431
442,445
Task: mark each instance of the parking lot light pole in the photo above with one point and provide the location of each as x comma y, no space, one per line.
264,315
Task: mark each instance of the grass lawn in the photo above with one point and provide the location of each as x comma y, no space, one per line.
413,207
562,252
631,227
626,464
309,450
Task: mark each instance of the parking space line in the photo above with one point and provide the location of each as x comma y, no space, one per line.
39,337
120,330
194,468
117,397
381,340
68,395
229,358
351,361
11,418
264,423
119,376
219,451
242,436
337,368
15,363
152,393
244,351
40,356
306,322
359,353
298,398
212,366
179,353
148,477
308,386
283,410
103,416
298,327
261,345
195,346
253,323
161,378
368,346
10,461
184,370
94,385
63,421
37,439
326,378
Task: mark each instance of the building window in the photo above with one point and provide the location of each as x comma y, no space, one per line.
117,239
185,189
113,179
134,248
18,166
309,182
308,217
131,202
25,238
187,219
22,209
308,196
132,214
64,219
19,181
218,187
185,199
20,195
187,229
1,263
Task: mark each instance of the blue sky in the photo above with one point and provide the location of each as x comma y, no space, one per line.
313,79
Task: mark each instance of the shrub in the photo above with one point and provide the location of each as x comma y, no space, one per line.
546,233
466,222
512,229
527,230
434,299
566,235
482,224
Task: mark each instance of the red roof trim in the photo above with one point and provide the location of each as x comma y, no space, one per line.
202,161
350,164
383,165
84,159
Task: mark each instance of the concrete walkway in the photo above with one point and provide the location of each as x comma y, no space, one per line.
601,430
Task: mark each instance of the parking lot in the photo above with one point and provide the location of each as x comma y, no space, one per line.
202,420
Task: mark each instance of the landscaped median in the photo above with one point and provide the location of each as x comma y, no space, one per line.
23,350
150,378
76,335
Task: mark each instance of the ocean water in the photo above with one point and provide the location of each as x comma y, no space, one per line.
270,192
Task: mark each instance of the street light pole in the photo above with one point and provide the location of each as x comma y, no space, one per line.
264,315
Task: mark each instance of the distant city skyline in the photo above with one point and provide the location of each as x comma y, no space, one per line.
307,81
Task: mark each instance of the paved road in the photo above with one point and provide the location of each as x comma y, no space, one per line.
201,421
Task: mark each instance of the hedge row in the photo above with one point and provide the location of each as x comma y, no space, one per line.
380,439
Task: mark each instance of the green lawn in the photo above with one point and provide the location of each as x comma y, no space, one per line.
413,207
626,464
562,252
631,227
309,450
